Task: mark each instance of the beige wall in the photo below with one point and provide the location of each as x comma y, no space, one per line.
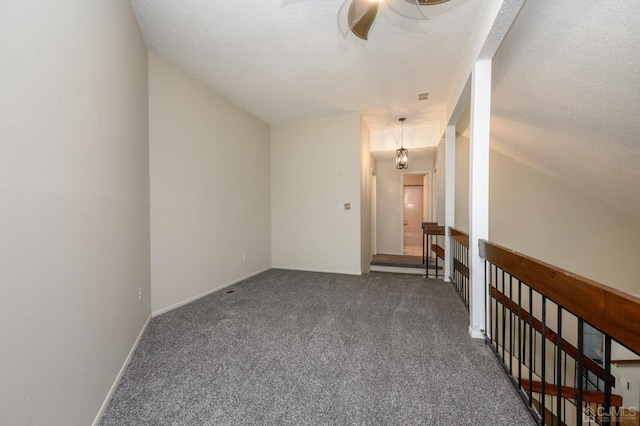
210,196
315,165
74,191
542,217
389,201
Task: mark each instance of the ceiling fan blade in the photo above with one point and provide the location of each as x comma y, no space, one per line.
362,13
427,2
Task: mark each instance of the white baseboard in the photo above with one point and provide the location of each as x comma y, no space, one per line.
116,382
206,293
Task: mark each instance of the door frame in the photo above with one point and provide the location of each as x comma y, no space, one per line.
428,214
374,213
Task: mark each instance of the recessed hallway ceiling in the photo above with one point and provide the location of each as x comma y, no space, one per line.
284,60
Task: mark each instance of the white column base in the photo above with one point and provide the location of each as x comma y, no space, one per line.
475,333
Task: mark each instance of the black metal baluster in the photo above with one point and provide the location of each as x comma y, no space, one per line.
579,370
465,280
461,257
489,318
454,256
455,270
466,256
461,276
564,382
559,367
510,324
504,323
554,365
606,416
457,263
535,351
544,355
520,328
426,263
495,277
530,346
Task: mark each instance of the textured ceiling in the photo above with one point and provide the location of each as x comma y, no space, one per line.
284,60
566,98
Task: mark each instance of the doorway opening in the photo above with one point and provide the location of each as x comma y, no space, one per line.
415,210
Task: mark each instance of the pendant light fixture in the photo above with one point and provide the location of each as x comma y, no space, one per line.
402,155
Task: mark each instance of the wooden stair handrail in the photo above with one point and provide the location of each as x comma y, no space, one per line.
425,224
438,250
461,267
432,229
552,336
610,310
459,236
572,393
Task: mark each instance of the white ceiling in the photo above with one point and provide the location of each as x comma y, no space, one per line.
566,97
284,60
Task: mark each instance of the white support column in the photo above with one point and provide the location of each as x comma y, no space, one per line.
479,190
449,196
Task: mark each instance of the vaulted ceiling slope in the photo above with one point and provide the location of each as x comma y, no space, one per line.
566,97
284,60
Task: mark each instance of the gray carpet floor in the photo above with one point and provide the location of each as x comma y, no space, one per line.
298,348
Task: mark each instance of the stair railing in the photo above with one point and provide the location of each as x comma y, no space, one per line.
430,232
535,324
460,261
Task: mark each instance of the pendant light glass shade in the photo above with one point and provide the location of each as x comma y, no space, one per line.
402,155
402,158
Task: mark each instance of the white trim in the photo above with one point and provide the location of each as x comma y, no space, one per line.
374,213
398,270
206,293
116,382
